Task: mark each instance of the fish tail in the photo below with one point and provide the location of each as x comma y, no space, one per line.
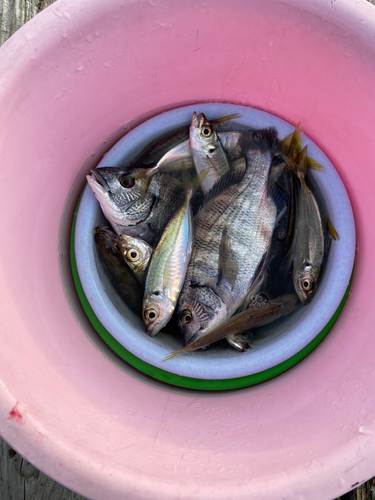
173,354
144,173
190,184
331,229
226,118
314,165
292,142
271,137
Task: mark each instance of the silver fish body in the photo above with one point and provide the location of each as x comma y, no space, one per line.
167,269
232,235
173,159
309,245
237,329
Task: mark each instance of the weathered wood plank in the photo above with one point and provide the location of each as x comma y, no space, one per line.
19,480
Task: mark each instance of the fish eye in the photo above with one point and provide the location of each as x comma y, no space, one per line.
132,255
207,131
186,316
127,182
258,135
307,284
151,314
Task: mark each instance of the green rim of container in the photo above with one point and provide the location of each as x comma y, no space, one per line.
179,380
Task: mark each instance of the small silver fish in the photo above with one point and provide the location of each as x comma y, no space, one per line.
207,151
119,273
167,269
136,253
309,245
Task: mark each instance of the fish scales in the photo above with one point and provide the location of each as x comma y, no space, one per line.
249,216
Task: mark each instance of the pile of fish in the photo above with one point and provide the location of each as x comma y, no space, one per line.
214,233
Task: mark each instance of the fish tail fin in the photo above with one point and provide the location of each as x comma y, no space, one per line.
331,229
314,165
271,138
192,184
226,118
292,143
144,173
173,354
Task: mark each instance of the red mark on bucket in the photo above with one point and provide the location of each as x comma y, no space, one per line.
15,413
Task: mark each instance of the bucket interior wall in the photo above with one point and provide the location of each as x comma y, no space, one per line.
69,79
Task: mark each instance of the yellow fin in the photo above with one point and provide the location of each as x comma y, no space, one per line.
285,143
331,229
226,118
295,146
314,165
174,354
148,182
292,144
302,161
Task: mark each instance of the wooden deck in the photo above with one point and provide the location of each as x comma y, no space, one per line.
19,480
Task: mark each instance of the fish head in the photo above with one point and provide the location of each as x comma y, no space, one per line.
135,252
200,310
123,199
305,279
105,238
156,312
203,136
258,142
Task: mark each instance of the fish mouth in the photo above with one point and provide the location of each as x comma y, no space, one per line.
191,339
103,231
99,179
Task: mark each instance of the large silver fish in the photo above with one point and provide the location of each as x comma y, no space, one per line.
232,235
119,273
136,207
167,269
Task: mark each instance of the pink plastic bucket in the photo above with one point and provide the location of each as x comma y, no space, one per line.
74,75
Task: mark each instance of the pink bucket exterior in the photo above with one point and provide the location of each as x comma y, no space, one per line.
71,77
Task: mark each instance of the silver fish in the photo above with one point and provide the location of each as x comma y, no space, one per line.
119,273
124,202
136,253
261,312
172,160
207,151
232,235
167,269
136,207
309,245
